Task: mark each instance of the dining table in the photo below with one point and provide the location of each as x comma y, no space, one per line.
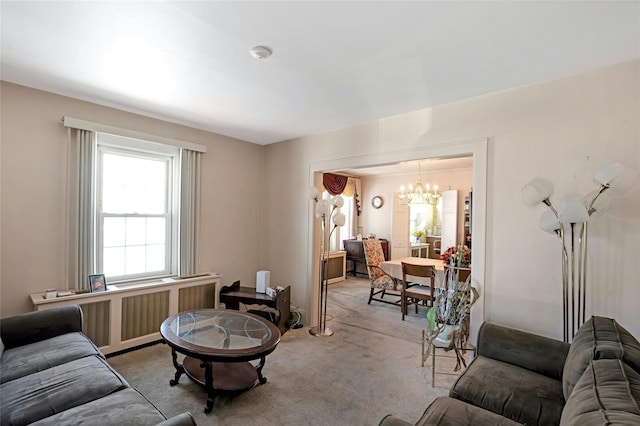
394,267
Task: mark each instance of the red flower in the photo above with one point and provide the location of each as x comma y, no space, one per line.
453,253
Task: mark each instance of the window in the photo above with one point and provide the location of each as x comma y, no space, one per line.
133,204
136,218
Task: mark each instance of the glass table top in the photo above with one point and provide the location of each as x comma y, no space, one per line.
220,329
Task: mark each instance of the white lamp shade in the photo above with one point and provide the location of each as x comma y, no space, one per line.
322,208
572,210
536,191
618,177
549,222
313,193
609,173
601,205
339,219
338,201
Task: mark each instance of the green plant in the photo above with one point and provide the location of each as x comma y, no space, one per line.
452,306
452,303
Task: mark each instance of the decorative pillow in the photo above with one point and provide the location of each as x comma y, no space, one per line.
607,393
598,338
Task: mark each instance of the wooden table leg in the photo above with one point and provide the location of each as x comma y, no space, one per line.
179,368
208,376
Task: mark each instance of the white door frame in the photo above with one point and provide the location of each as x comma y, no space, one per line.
477,148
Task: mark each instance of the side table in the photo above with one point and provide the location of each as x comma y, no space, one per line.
465,347
233,295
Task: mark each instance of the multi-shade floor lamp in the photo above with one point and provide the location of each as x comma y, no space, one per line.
569,223
328,211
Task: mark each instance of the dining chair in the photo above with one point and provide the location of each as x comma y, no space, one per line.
381,282
414,294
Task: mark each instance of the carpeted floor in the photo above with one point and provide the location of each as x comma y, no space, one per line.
370,367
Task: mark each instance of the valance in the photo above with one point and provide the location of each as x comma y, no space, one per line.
343,185
334,184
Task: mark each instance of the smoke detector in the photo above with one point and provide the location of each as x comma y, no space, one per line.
260,52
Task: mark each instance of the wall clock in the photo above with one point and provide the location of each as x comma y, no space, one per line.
376,202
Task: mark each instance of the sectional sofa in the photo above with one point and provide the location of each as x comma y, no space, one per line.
52,374
522,378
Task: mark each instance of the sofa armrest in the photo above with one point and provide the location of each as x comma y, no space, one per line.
183,419
390,420
35,326
536,353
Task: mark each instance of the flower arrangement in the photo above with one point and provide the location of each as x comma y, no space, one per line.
457,255
418,233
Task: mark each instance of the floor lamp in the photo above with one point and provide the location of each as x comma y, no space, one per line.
569,223
328,211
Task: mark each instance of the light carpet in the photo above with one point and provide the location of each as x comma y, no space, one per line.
370,367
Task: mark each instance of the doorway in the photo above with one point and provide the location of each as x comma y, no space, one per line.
476,148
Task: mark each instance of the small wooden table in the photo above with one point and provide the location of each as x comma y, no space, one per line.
233,295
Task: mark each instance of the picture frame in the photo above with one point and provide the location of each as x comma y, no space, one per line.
97,283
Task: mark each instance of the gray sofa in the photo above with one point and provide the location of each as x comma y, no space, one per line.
522,378
52,374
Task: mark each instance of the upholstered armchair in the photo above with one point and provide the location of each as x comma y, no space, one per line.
380,281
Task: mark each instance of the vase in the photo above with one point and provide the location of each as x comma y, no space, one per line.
446,335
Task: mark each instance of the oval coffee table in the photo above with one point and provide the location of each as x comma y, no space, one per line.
218,345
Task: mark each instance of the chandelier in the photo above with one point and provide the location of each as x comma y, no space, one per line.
420,194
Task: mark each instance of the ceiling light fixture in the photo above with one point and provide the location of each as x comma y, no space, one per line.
420,194
260,52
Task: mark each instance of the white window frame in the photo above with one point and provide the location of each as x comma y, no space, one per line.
112,144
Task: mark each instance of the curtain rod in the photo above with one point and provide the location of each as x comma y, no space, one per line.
77,123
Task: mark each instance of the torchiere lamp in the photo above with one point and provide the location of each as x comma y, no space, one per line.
569,222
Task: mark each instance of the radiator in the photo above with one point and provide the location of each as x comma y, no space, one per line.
336,267
197,297
143,314
96,322
122,318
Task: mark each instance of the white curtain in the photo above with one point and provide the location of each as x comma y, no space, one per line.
189,211
84,248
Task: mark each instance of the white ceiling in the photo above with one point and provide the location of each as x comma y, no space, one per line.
334,64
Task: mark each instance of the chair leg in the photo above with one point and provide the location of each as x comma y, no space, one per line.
370,296
403,307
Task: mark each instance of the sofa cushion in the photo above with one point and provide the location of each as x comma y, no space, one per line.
23,360
598,338
446,411
45,393
126,407
608,392
511,391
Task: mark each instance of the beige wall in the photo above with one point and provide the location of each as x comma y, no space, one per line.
563,130
33,172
